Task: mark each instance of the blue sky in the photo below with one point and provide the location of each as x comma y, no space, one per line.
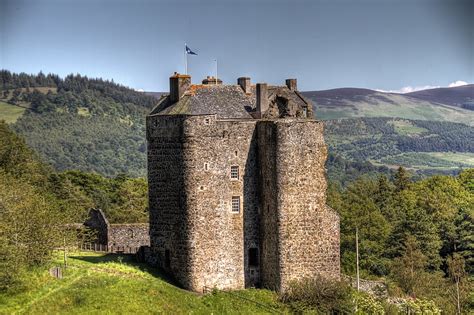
379,44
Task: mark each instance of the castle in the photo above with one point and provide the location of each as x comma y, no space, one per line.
237,187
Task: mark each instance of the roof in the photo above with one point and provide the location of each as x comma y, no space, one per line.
225,101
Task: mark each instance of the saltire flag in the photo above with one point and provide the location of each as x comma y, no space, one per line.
189,51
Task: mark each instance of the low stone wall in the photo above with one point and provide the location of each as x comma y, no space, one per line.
377,288
129,235
125,238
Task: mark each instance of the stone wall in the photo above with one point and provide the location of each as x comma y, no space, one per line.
117,237
306,241
169,225
129,235
99,224
283,220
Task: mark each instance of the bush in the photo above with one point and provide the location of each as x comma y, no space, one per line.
419,306
366,304
318,294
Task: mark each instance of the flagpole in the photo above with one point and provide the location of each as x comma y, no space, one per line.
185,60
216,70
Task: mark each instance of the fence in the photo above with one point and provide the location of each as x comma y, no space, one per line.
94,247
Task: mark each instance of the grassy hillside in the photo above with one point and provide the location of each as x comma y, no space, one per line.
10,113
416,144
98,284
460,96
350,103
99,126
78,123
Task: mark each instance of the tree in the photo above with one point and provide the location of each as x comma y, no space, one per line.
409,269
457,274
413,221
401,179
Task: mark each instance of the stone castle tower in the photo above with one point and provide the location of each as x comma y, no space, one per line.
237,187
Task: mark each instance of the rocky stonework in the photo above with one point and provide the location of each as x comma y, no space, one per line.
237,187
281,231
117,237
129,235
300,234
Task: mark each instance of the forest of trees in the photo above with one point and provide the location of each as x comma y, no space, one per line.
374,138
37,204
95,125
91,125
411,233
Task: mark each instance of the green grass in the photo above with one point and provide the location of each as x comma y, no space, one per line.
406,128
10,113
430,160
83,111
106,284
392,105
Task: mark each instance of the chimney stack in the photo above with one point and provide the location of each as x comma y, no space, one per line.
291,84
179,83
262,99
244,83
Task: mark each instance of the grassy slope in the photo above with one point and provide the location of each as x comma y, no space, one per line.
10,113
98,284
393,105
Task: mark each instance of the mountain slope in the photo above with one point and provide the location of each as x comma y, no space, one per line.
350,102
460,96
79,123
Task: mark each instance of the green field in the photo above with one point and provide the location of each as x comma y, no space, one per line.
110,284
10,113
430,160
406,128
393,105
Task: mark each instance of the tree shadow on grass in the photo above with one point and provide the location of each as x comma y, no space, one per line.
130,260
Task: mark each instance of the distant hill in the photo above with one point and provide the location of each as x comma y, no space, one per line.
99,126
352,102
460,96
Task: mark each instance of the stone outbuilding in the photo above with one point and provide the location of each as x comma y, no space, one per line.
125,238
237,186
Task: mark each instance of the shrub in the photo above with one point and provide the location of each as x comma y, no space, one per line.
366,304
318,294
420,306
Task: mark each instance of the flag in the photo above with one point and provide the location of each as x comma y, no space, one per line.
189,51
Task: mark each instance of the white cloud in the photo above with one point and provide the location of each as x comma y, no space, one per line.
140,90
409,89
457,83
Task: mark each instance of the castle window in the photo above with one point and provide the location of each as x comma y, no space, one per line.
206,121
253,257
234,172
236,153
206,166
305,112
236,204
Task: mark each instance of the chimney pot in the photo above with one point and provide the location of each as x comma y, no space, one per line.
291,84
262,99
244,83
179,83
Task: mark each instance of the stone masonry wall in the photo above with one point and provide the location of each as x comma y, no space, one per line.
195,235
129,236
308,231
269,233
307,240
220,238
169,235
